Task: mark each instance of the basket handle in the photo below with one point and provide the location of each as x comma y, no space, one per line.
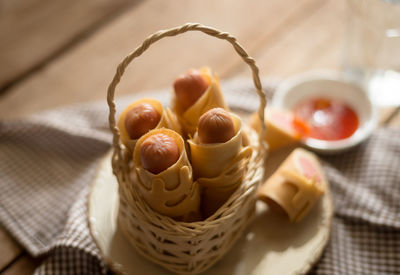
173,32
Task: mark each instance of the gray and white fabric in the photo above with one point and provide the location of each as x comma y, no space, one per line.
48,161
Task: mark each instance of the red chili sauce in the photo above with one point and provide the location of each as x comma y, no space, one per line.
328,119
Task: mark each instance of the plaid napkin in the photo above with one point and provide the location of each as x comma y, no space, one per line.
48,161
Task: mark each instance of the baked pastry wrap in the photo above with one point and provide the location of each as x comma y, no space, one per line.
219,167
281,128
296,185
172,192
211,98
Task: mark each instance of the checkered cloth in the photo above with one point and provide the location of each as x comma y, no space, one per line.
48,161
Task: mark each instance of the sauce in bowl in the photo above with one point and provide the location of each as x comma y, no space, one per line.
328,119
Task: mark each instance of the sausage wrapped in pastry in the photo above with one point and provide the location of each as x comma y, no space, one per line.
142,116
218,157
163,175
195,93
283,128
296,186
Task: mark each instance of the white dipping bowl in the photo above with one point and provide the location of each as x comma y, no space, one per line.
330,85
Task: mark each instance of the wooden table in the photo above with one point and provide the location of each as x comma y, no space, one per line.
62,52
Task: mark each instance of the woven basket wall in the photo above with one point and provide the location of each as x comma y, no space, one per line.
182,247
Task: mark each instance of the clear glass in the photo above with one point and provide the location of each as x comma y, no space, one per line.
371,52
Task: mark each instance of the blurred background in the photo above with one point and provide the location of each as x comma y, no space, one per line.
58,52
61,52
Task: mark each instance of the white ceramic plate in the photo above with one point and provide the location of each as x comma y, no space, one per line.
271,245
329,84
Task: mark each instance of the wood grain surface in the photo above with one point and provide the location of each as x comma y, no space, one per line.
22,265
83,73
54,53
9,249
33,32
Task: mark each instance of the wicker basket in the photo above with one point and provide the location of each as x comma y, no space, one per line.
182,247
